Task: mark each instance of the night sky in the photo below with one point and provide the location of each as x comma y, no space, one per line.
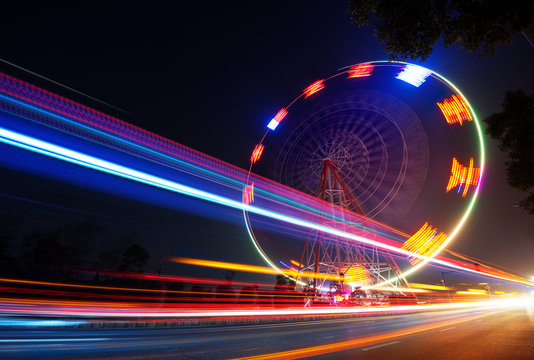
210,75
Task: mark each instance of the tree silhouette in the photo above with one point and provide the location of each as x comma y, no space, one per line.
68,244
514,129
134,258
284,291
411,29
110,258
49,250
9,229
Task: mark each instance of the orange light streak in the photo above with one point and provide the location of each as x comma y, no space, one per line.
256,154
64,302
280,115
313,88
96,287
400,289
430,287
225,265
424,242
248,195
478,291
251,268
357,274
470,292
455,110
463,176
360,70
350,344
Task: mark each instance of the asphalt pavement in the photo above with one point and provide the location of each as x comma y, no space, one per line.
458,334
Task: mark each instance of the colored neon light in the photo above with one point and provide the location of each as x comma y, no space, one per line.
427,286
357,275
283,263
71,156
75,157
360,70
256,154
191,160
413,74
273,124
470,206
111,310
68,116
280,115
425,242
292,271
248,194
463,176
455,110
313,88
465,214
139,141
340,298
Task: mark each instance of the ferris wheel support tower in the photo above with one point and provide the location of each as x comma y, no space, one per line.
325,256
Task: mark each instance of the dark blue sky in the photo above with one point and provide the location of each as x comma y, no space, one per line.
210,75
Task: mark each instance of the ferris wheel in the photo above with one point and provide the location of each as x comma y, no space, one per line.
380,145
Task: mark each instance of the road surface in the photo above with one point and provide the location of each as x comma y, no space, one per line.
488,334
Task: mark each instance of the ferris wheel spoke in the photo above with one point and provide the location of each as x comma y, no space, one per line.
377,151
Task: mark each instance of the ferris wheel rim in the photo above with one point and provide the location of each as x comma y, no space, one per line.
472,200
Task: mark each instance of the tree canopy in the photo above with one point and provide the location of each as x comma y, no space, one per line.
514,129
410,29
134,258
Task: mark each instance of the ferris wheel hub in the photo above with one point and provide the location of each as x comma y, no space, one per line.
359,138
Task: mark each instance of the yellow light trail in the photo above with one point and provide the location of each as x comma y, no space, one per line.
251,268
429,287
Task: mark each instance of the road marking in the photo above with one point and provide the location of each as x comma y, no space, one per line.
359,342
368,322
50,340
454,327
380,345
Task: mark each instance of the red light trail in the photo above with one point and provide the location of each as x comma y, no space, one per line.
296,212
256,154
313,88
360,70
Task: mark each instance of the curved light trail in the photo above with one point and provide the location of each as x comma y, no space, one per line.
78,158
54,119
414,75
